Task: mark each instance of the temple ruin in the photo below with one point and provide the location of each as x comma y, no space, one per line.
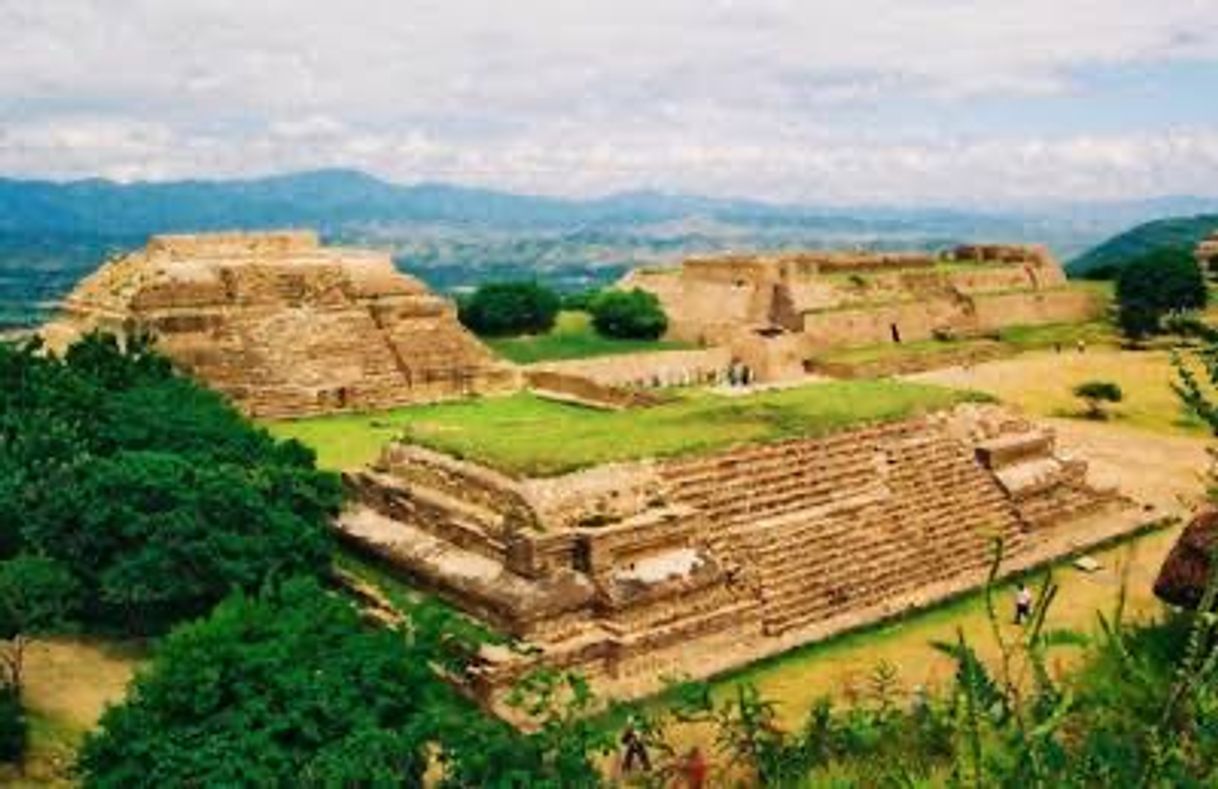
1207,254
637,571
284,326
776,311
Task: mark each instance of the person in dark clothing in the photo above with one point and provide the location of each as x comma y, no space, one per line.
635,751
1023,604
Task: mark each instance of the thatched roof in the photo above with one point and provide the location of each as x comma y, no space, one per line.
1186,571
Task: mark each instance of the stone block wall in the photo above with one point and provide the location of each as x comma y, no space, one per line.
700,564
284,326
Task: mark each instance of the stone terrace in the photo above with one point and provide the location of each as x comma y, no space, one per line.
284,326
634,571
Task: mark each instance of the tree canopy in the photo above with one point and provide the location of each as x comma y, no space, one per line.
153,494
286,688
500,309
634,315
1164,281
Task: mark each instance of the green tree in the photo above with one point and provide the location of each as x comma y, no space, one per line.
1162,282
505,308
288,688
1095,394
153,493
634,314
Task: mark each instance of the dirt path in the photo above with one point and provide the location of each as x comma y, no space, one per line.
73,680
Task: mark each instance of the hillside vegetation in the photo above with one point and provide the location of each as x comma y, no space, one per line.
1116,252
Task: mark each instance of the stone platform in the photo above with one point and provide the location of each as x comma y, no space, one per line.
633,573
284,326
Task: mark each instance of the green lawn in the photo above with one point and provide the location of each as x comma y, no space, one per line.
572,338
1013,339
528,435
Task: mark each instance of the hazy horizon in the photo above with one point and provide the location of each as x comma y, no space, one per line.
869,102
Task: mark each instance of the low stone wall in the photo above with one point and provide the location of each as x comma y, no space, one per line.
645,370
577,389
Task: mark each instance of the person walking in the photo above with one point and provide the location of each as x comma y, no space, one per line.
635,750
1023,604
695,769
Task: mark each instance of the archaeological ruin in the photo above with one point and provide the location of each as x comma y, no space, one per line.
1207,254
284,326
776,311
638,571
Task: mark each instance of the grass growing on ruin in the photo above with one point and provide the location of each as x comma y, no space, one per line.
527,435
573,337
1011,340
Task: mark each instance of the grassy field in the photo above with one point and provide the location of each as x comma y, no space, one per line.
572,338
1041,383
1012,340
527,435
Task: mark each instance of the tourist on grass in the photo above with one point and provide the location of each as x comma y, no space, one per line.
1023,604
635,754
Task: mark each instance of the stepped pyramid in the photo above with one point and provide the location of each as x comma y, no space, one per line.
284,326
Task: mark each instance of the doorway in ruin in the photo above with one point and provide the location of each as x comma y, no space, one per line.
895,331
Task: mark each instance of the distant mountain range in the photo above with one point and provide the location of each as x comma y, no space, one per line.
51,233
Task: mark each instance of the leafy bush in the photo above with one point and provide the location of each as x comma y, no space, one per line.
152,493
285,689
633,315
1162,282
500,309
1095,394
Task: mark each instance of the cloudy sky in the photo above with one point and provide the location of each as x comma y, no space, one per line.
869,101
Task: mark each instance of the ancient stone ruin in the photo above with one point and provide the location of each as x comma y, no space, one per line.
776,311
1207,254
284,326
638,571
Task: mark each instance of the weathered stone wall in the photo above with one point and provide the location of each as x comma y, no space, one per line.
692,566
1207,254
646,370
577,389
833,299
284,326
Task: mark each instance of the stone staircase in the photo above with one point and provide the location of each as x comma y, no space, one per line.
824,526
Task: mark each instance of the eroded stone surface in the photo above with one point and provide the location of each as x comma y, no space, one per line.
284,326
633,572
775,311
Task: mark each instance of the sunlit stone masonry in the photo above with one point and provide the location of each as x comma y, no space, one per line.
776,311
284,326
637,571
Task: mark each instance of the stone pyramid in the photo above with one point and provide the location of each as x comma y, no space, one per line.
284,326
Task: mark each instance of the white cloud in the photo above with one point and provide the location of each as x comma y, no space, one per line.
781,98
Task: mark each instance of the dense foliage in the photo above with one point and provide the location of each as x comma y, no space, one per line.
498,309
1162,282
288,688
630,315
291,688
154,495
